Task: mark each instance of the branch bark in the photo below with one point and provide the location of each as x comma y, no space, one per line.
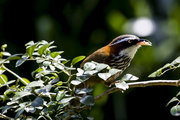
141,84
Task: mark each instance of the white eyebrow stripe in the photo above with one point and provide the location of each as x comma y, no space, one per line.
122,40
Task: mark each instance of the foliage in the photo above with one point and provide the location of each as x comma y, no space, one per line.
175,110
53,92
169,66
46,95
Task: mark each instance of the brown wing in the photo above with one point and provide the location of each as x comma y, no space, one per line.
98,56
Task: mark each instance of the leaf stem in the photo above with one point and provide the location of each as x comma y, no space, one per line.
13,73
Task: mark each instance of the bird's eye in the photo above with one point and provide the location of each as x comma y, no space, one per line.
129,41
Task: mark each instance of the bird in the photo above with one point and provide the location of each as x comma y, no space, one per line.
117,54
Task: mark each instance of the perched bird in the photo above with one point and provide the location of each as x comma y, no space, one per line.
117,54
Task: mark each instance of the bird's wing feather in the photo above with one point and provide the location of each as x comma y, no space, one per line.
100,57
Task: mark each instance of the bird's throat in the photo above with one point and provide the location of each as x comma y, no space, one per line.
130,51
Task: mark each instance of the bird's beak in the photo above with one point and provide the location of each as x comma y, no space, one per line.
144,42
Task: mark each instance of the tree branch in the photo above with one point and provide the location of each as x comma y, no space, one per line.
141,84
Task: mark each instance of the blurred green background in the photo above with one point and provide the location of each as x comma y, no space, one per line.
79,27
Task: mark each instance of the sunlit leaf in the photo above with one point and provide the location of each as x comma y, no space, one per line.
6,54
10,90
101,66
3,79
55,54
35,84
75,82
30,50
46,63
42,49
87,100
31,43
25,81
92,72
178,94
22,60
2,70
77,59
114,71
172,100
3,47
89,66
31,110
170,66
14,57
60,95
128,77
122,85
80,72
65,100
21,94
175,110
104,76
84,91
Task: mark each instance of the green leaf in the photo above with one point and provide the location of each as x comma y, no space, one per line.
87,100
2,70
55,54
77,59
60,95
6,54
170,66
22,60
175,110
38,102
42,49
122,85
3,47
25,81
3,79
31,43
10,91
30,50
172,100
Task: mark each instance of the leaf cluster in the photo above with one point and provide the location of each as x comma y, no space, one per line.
175,110
45,95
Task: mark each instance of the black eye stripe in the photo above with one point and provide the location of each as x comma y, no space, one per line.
122,40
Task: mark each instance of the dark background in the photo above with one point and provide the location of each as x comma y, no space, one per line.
79,27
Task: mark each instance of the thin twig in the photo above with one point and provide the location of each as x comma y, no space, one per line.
13,73
141,84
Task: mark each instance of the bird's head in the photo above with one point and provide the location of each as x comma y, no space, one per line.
127,45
